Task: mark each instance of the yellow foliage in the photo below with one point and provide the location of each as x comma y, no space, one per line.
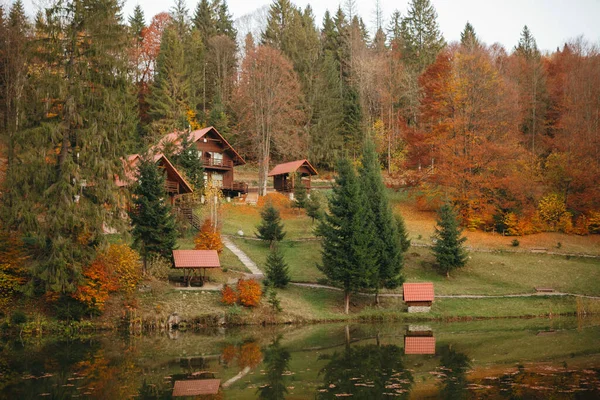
551,210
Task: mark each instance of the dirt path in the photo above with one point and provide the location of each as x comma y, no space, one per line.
248,263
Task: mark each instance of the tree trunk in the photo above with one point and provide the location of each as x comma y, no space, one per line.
347,302
347,330
377,297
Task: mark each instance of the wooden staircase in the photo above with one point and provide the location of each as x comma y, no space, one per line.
189,215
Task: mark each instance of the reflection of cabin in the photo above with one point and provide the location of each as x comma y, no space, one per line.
194,263
175,184
197,387
284,175
419,345
218,157
418,296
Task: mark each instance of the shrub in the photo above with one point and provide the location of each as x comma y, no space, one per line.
12,273
273,300
228,295
18,317
208,239
593,223
125,263
159,267
249,292
551,209
515,243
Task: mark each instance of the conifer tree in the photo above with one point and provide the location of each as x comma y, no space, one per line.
195,71
468,38
421,34
153,222
300,192
204,21
279,20
180,18
270,228
348,232
386,239
402,233
313,206
190,160
448,249
224,20
137,22
277,270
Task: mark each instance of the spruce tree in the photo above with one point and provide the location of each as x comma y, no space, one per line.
270,228
277,270
448,249
402,233
224,21
194,58
204,20
313,206
421,35
153,222
300,193
348,232
468,38
137,22
386,239
189,159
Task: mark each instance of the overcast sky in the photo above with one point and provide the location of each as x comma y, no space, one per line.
552,22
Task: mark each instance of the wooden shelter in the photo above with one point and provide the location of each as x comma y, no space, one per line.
196,387
195,263
284,175
419,345
418,296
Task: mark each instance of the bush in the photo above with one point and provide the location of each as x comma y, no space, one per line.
208,239
68,308
228,295
249,292
18,317
515,243
159,267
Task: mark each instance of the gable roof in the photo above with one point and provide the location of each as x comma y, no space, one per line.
291,167
196,259
131,172
419,345
196,387
196,135
418,291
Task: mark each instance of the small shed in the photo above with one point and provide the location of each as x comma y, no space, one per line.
197,387
195,263
419,345
284,175
418,296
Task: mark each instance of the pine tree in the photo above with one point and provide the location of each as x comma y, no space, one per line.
279,20
402,233
300,192
385,250
169,99
277,270
527,46
421,34
224,21
348,233
137,22
468,38
270,229
190,160
153,222
448,249
313,206
204,21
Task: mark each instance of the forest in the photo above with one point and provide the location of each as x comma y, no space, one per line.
510,136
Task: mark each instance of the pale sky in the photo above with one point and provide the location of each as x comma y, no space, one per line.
552,22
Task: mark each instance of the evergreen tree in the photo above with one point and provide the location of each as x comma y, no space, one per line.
204,21
190,160
468,38
313,206
421,34
386,249
195,71
402,233
224,20
527,46
394,29
270,228
279,20
352,122
348,233
169,99
448,249
153,222
180,18
300,192
137,22
277,270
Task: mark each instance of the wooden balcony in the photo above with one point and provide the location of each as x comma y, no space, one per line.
172,187
216,163
240,187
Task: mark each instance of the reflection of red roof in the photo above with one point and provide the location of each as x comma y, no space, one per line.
196,135
419,345
292,166
196,387
418,291
196,259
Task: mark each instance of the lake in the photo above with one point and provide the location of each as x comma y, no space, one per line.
499,359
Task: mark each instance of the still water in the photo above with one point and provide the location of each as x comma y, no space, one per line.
508,359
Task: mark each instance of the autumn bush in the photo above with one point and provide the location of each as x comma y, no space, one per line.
280,201
249,292
249,355
228,295
208,239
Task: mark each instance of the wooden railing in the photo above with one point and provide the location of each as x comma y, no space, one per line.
214,162
172,187
241,187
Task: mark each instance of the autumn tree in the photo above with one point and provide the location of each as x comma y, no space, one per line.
268,104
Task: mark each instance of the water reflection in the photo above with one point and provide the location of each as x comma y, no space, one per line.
453,373
277,361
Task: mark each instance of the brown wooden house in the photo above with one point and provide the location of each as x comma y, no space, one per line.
175,183
218,157
284,175
418,296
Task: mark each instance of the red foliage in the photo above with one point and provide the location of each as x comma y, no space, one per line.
228,295
249,292
208,239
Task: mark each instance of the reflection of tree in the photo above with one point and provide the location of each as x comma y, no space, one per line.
453,366
277,361
366,372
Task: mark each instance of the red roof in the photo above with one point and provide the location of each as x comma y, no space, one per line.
196,259
196,135
419,345
418,291
130,167
196,387
291,167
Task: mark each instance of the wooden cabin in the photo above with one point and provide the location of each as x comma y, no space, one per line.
218,157
418,296
284,175
175,183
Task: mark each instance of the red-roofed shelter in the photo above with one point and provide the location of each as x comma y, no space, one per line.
419,345
198,387
195,261
284,175
418,296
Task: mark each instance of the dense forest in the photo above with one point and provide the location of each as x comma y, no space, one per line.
510,136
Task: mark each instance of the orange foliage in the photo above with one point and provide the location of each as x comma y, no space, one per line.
228,295
228,354
250,355
207,239
249,292
280,201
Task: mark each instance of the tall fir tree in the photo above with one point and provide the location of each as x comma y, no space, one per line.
348,232
468,38
153,222
421,35
224,21
195,72
404,241
277,272
448,249
204,20
385,250
180,18
300,192
189,158
279,21
314,207
137,22
270,228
